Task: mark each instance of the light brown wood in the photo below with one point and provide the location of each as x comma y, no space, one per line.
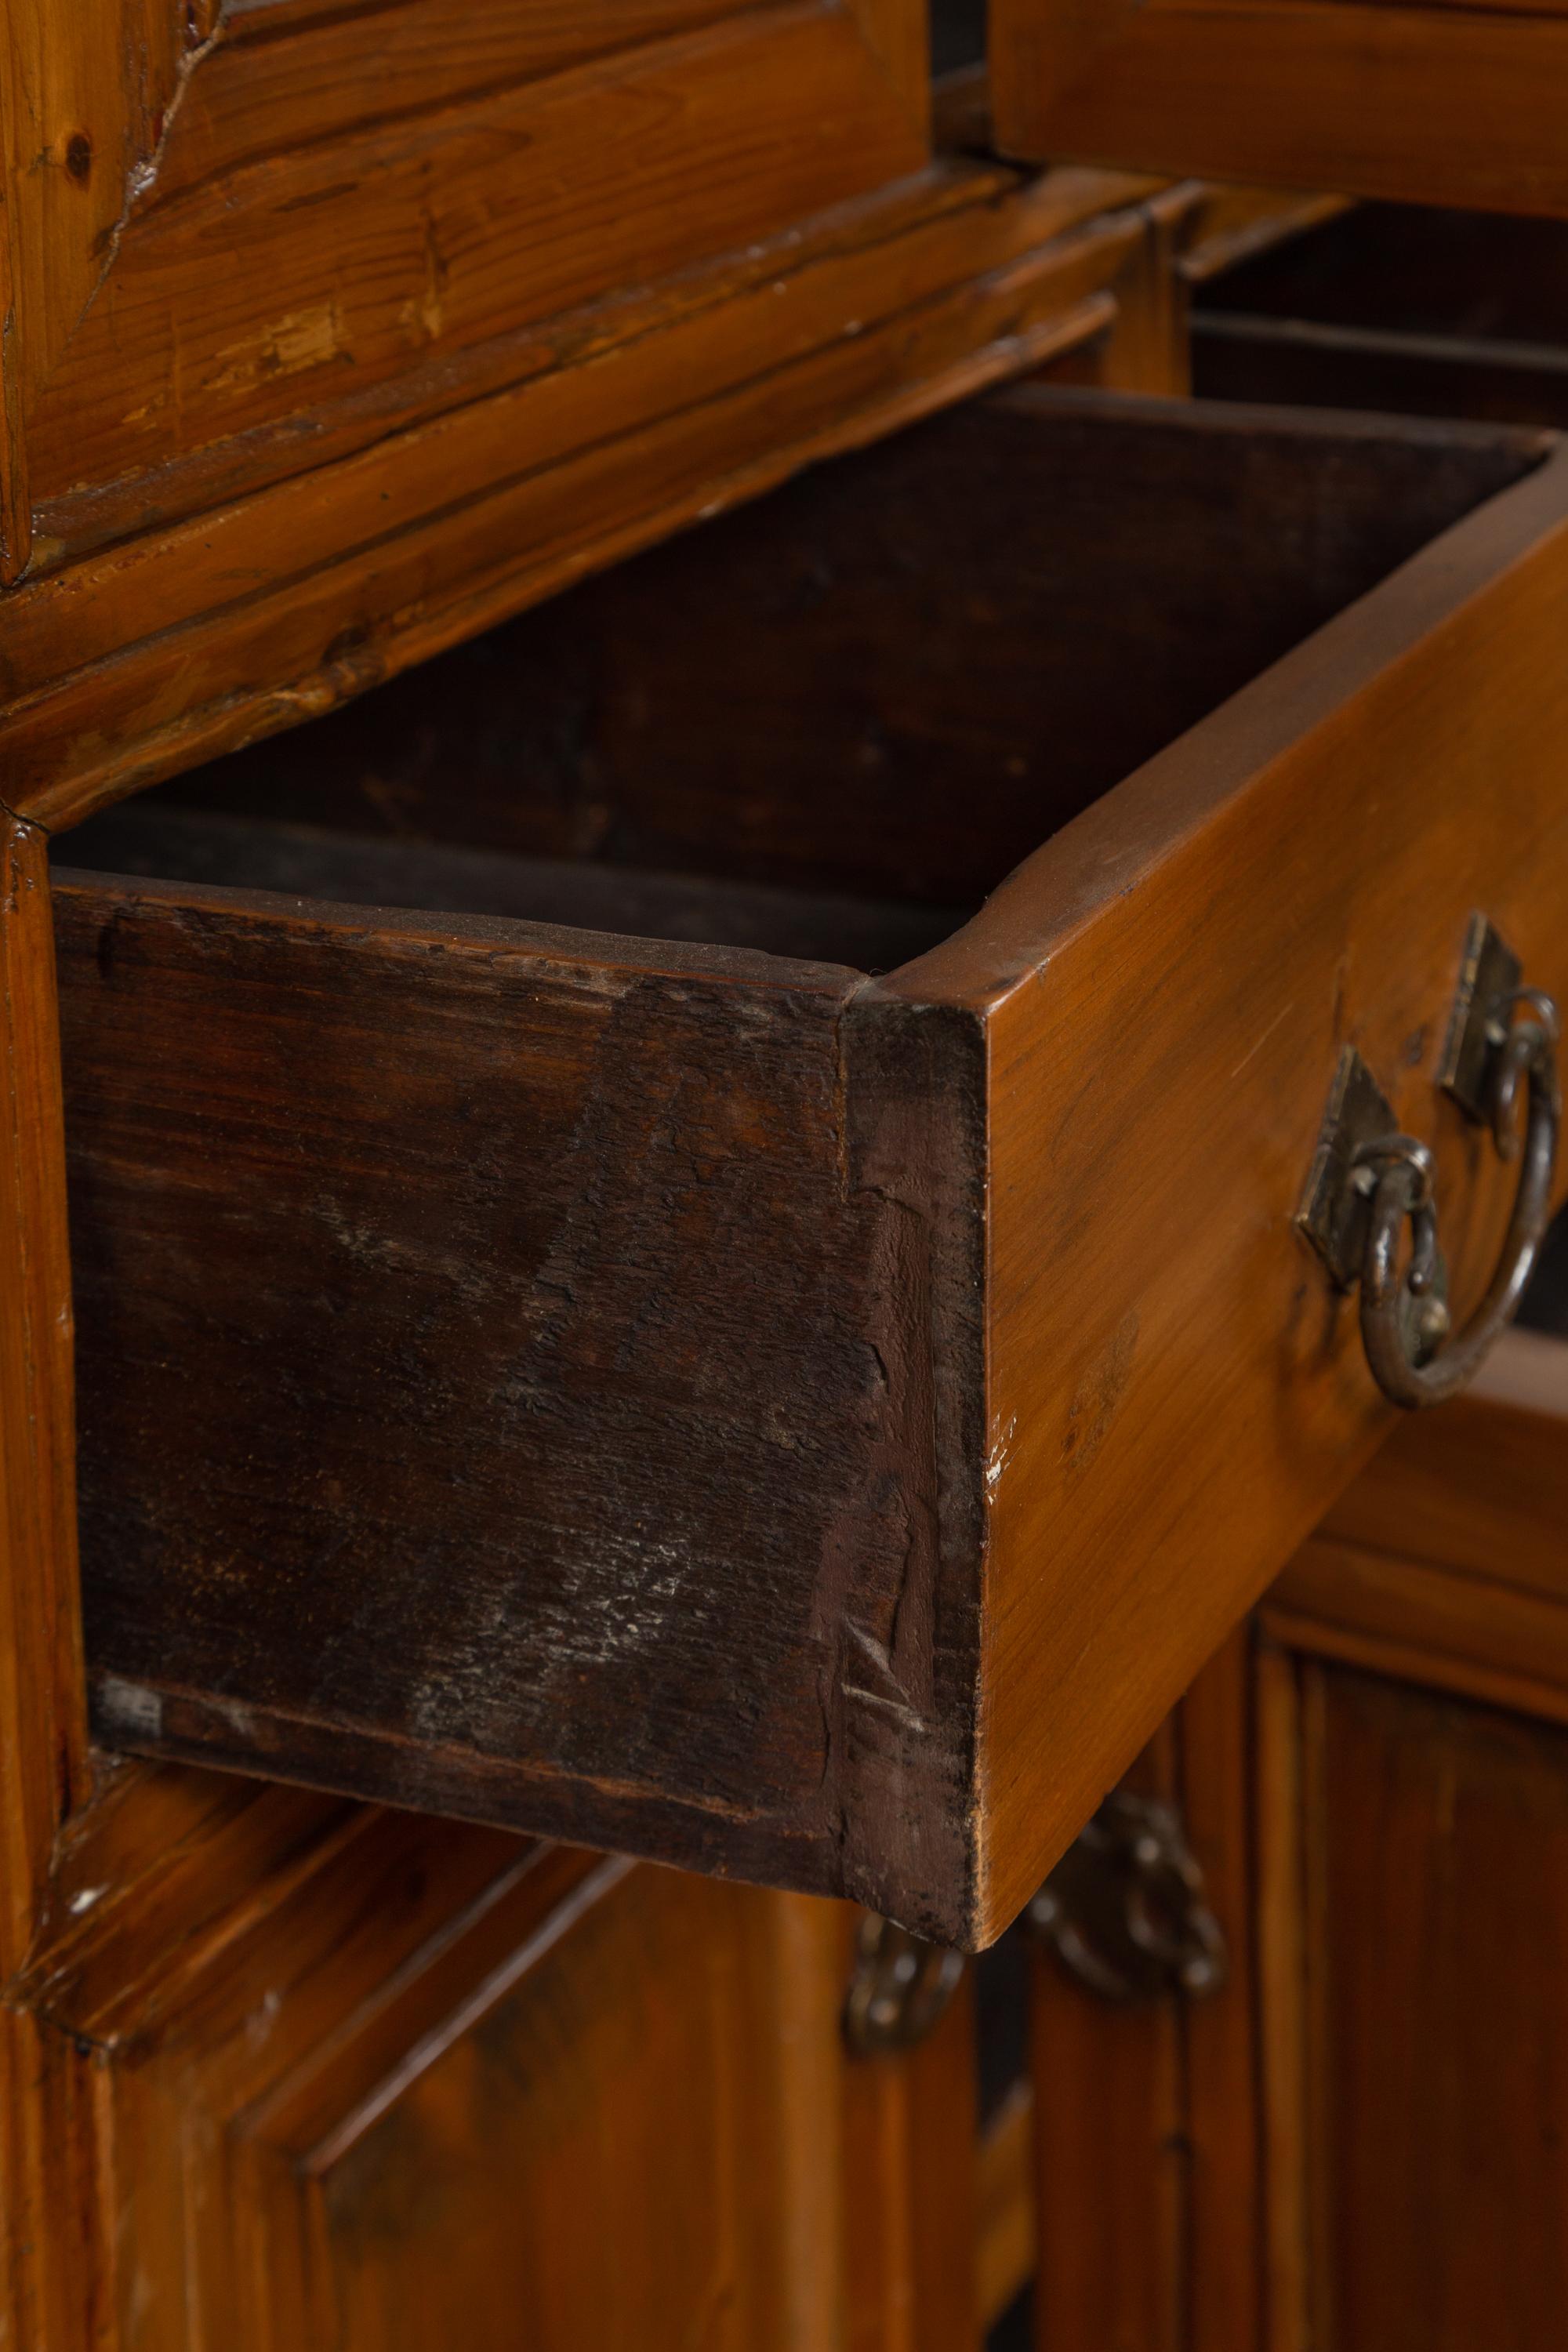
138,661
1110,2150
1444,1562
1137,1352
1425,103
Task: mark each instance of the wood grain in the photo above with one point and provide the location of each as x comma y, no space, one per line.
1425,104
337,263
1134,1347
879,1549
144,660
48,2157
1442,1941
581,1461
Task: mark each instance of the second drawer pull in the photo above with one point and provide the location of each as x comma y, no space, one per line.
1368,1180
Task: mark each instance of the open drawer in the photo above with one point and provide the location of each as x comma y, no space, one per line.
615,1295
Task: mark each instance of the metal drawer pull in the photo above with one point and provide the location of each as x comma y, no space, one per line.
1368,1181
1126,1910
901,1986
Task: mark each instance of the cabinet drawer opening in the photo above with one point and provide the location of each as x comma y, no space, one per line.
574,1326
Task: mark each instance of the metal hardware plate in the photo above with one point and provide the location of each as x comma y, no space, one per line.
900,1986
1489,976
1333,1210
1126,1910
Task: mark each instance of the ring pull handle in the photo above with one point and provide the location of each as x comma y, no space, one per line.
1369,1181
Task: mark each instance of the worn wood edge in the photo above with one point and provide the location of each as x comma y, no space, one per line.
1056,895
560,950
72,527
41,1707
915,1084
414,632
250,1741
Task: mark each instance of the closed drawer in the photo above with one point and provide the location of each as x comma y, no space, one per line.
1423,103
779,1365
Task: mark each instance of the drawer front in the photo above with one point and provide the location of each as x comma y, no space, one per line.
1175,1390
731,1408
1427,104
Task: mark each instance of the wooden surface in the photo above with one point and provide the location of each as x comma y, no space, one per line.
1148,2168
1442,1938
409,1229
507,1507
1447,1561
403,322
1173,1392
47,2245
248,219
431,2080
1425,103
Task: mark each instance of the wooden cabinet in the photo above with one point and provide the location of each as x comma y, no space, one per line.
683,1218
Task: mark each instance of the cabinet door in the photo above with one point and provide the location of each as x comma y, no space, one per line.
362,2083
1428,103
1356,2144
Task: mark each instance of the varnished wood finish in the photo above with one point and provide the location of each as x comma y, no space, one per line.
428,2078
521,406
1425,103
49,2295
1149,2174
723,1342
1135,1366
1441,1943
1447,1563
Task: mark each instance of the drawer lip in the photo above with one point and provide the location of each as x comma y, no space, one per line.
1060,890
411,931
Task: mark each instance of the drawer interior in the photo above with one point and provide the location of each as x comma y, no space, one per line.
1396,307
533,1291
826,724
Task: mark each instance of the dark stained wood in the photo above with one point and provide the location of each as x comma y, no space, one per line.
900,672
678,1399
1423,103
246,853
1393,307
1149,2173
532,1513
1110,2153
